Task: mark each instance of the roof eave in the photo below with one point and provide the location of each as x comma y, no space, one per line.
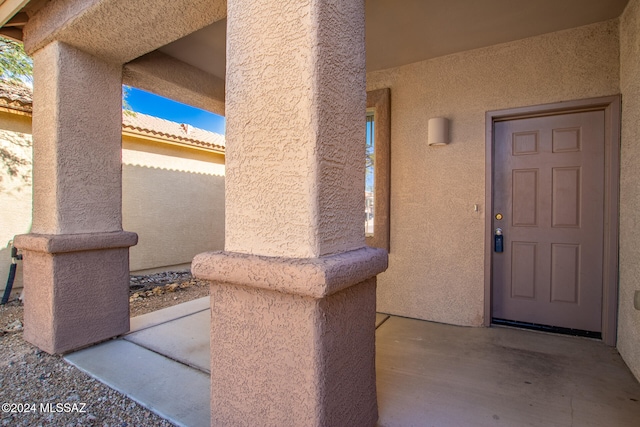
8,8
137,133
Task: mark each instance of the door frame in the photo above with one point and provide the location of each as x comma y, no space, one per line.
611,107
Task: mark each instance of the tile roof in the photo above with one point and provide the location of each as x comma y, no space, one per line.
179,132
18,97
15,96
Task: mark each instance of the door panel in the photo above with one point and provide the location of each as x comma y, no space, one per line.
525,197
523,272
549,187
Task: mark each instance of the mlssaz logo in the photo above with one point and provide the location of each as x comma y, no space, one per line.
63,407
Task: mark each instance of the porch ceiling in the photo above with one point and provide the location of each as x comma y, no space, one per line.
402,32
398,32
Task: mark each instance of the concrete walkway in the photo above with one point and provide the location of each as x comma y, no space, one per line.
428,374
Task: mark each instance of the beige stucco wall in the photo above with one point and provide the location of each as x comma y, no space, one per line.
294,127
173,197
628,317
436,262
15,192
76,134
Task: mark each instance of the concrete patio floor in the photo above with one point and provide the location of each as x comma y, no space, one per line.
428,374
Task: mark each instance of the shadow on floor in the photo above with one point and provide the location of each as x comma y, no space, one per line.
428,374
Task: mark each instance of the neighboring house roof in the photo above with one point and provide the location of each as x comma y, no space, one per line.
18,97
145,125
15,96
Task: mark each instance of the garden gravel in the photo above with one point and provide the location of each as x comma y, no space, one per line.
37,389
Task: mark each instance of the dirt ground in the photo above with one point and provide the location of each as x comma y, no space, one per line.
146,294
157,296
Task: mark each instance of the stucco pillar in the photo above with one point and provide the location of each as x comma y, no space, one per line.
293,294
76,259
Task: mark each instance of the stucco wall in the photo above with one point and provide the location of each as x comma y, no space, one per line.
295,127
628,317
174,199
436,269
15,191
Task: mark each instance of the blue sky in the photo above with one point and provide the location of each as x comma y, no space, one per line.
154,105
158,106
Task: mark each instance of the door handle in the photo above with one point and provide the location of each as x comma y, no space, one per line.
498,241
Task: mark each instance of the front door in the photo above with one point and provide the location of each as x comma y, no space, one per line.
549,202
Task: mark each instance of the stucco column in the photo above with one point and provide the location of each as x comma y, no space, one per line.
76,260
293,294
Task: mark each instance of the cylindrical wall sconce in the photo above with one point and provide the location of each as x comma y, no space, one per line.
438,131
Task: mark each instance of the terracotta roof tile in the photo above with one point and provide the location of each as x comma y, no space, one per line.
180,132
19,97
15,96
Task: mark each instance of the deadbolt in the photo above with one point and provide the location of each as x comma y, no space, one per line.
498,241
498,216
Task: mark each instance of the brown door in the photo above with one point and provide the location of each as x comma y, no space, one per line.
549,189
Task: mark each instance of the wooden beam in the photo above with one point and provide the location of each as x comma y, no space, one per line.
20,19
9,8
12,33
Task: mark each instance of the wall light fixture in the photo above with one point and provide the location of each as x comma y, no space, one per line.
438,131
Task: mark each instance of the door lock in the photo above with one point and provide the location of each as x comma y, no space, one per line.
498,241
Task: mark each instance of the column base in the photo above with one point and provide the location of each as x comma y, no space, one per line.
293,340
76,288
